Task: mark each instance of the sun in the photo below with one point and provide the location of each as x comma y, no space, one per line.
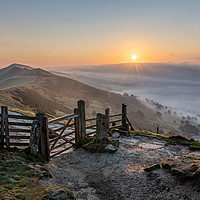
134,57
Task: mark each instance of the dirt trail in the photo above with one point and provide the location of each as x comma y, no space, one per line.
120,176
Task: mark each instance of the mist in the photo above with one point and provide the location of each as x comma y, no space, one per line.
172,84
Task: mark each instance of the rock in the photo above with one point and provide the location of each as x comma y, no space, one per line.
57,194
115,142
33,149
151,168
115,135
110,148
13,180
125,133
190,169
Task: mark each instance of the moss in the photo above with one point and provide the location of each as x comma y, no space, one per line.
48,174
151,168
167,164
25,153
174,139
91,144
48,190
177,171
195,158
149,135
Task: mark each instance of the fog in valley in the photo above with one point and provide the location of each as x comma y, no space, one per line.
174,85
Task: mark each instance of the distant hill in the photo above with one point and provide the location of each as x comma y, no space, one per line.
36,90
13,70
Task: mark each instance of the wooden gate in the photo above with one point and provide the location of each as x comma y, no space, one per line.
63,133
14,129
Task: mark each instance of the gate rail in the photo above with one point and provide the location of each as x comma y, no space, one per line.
62,136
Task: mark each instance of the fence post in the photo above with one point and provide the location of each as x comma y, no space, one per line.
157,131
101,126
107,115
82,123
2,127
5,126
76,121
44,136
124,115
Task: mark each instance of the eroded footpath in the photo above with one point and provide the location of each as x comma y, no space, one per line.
121,176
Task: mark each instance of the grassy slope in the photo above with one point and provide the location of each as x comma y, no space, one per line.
18,179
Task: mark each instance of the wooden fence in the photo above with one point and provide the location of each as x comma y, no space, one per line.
11,126
52,140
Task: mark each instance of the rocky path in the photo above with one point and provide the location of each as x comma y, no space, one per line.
120,176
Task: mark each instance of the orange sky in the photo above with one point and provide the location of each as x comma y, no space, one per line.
51,33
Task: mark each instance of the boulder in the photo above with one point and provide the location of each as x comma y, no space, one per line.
110,148
115,135
58,194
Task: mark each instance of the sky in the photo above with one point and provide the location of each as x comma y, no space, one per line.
92,32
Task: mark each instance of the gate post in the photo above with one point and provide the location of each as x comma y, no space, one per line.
2,127
124,116
76,121
107,115
82,123
101,126
44,136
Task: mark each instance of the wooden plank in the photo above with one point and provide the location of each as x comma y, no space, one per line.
18,144
116,115
21,117
55,139
76,121
92,119
117,126
67,134
82,122
19,124
60,118
20,130
19,137
91,126
61,137
90,133
60,152
130,124
2,127
63,129
114,121
107,114
60,145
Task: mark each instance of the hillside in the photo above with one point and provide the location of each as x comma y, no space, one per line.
36,90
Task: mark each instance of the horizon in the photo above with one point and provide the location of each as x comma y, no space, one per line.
184,64
74,33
